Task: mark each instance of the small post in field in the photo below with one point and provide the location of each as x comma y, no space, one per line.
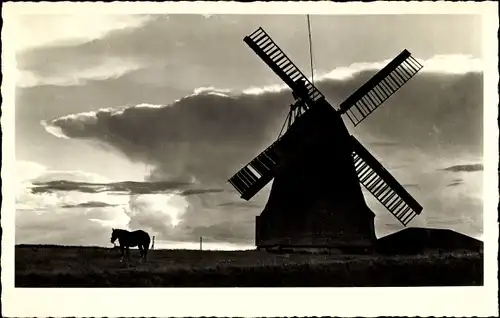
201,243
153,245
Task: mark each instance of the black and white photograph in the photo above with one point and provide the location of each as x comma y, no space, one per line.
250,150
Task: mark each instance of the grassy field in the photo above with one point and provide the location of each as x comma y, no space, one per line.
57,266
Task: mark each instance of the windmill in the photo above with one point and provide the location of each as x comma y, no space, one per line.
318,166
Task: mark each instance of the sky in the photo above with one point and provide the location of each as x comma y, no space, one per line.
137,121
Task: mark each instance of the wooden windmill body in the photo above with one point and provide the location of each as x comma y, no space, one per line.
316,199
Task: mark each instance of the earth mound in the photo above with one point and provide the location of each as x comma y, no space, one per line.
418,240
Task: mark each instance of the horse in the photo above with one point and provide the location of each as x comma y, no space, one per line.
128,239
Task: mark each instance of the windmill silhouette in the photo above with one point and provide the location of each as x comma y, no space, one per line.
316,198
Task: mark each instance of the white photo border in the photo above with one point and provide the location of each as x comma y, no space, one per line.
367,302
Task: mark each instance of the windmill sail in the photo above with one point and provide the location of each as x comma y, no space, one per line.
257,173
380,87
383,186
262,44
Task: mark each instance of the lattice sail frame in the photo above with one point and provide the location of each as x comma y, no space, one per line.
257,173
262,44
380,87
382,185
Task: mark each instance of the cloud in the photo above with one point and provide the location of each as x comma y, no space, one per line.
411,185
63,185
49,36
453,184
465,168
207,137
89,204
82,212
200,191
42,30
383,144
104,69
27,170
28,173
157,214
239,205
276,88
68,220
159,207
439,64
53,130
61,217
73,227
212,90
69,177
126,187
179,137
188,58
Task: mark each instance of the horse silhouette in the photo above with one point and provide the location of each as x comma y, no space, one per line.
129,239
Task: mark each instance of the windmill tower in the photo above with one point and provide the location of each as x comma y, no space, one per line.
316,198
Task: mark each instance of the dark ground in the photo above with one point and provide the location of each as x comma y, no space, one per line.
57,266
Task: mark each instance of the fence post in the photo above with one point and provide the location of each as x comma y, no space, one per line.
201,243
153,246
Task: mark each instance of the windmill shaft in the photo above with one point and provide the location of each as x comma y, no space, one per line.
310,48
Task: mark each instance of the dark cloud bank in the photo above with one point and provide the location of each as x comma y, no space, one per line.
127,188
465,168
207,137
454,184
89,204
